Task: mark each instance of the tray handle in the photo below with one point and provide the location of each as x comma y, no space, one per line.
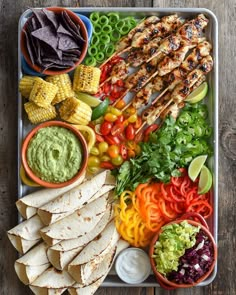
195,215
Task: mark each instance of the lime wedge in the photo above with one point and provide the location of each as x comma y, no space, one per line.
196,166
88,99
205,181
198,94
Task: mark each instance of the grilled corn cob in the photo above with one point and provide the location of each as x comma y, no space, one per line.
64,85
38,114
86,79
75,111
43,93
26,85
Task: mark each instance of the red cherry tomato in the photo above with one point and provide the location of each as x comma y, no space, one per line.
150,129
120,83
106,88
117,129
130,132
123,151
121,137
120,119
106,127
138,123
107,165
111,139
99,138
115,60
139,137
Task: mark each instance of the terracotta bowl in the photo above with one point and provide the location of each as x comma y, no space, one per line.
32,175
84,34
163,281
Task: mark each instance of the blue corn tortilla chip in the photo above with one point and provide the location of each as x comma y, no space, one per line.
52,17
53,41
61,30
41,17
66,42
70,25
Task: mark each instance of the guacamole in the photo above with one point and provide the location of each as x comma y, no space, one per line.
54,154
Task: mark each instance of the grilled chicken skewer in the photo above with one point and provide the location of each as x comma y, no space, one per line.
148,71
162,28
125,42
203,49
179,93
188,32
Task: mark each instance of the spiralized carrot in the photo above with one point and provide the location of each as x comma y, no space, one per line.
129,223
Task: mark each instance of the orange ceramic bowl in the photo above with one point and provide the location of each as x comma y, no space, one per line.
84,34
32,175
163,281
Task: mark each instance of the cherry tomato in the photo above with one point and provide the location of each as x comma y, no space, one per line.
123,151
115,60
111,139
131,153
113,151
99,138
93,161
120,104
120,83
115,111
110,117
130,111
115,92
117,129
139,136
105,158
121,137
138,123
132,118
117,161
106,88
129,132
93,170
94,151
120,119
103,147
107,165
105,128
150,129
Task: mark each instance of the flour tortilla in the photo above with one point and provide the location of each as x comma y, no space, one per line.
28,205
32,264
53,279
46,291
26,234
76,224
76,198
64,252
99,275
92,255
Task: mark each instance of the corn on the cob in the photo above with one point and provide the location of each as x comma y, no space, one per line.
43,93
75,111
64,85
86,79
37,114
26,85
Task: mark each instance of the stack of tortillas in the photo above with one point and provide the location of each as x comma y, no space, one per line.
69,236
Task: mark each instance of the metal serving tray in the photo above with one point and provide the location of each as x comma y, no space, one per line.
211,33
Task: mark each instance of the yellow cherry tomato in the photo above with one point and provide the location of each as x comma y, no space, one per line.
115,111
113,151
105,158
94,151
110,117
103,147
132,118
120,104
93,161
117,161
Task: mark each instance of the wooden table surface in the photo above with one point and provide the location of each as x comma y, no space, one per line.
225,282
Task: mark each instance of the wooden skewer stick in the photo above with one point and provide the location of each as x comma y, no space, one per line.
128,105
141,127
160,95
107,80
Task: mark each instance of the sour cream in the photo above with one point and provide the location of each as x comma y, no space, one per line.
133,266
